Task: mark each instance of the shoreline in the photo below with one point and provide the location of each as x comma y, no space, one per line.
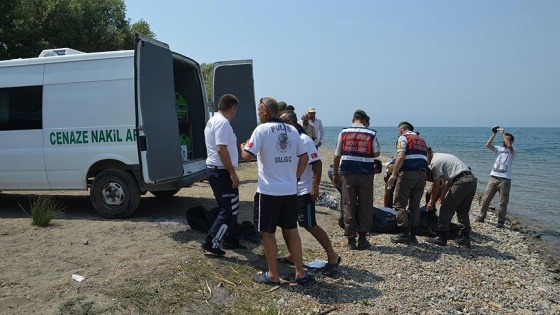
540,237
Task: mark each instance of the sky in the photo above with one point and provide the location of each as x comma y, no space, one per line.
434,63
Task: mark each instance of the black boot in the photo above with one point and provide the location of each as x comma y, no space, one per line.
440,240
362,242
403,237
464,239
413,233
352,243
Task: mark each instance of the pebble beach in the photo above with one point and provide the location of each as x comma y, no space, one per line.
506,271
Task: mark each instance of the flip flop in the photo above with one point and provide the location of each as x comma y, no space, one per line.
262,278
305,279
285,260
331,269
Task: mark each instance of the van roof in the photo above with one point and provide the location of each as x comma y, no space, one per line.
67,58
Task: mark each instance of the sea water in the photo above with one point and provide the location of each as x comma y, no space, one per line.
534,191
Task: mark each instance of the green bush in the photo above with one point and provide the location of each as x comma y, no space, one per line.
44,209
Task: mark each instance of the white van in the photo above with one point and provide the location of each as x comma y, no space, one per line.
118,123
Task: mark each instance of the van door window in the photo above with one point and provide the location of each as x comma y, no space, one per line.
21,108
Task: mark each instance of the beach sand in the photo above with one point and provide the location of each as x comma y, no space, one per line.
507,271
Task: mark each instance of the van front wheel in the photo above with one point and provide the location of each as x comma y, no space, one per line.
115,194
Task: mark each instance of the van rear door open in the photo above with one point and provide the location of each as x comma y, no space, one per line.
236,77
160,155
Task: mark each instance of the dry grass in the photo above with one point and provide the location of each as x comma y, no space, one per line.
44,209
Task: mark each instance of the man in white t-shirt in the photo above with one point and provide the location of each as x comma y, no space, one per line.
307,195
500,176
318,125
281,158
221,149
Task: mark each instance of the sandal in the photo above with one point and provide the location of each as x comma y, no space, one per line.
331,269
285,260
308,278
262,278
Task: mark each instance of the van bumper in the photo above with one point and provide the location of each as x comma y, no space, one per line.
190,179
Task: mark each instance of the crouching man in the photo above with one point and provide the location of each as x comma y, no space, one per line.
460,185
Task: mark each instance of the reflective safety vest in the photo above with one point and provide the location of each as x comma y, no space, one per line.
357,150
416,155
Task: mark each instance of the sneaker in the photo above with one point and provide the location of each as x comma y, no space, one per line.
500,224
352,243
214,250
480,218
234,245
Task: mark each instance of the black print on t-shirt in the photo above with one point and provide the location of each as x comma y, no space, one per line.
283,143
500,166
283,159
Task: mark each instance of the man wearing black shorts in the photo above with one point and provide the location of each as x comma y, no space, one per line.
281,158
307,195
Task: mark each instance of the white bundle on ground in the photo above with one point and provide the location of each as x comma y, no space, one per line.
327,200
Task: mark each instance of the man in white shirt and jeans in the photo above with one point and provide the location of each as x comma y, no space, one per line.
500,176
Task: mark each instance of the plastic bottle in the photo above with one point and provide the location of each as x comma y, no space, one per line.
186,141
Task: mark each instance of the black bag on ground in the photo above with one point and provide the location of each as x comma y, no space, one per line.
201,219
384,220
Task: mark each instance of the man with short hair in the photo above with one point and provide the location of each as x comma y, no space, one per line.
500,176
309,129
318,125
409,175
460,185
221,149
356,150
282,159
307,195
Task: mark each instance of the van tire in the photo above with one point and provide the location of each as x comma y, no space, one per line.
115,194
165,193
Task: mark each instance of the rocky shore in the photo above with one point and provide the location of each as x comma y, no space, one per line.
507,271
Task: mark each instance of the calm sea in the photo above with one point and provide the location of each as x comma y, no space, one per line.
534,194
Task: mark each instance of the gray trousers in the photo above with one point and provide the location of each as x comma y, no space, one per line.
458,200
501,185
408,192
357,188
